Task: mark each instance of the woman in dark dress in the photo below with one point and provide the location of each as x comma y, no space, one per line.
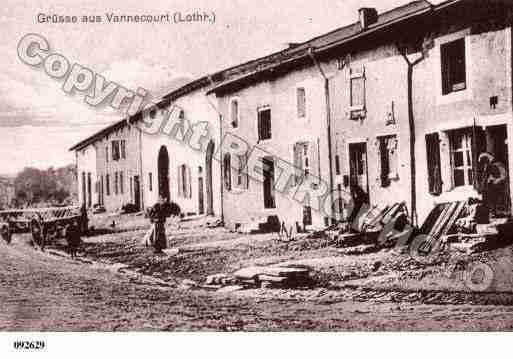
158,214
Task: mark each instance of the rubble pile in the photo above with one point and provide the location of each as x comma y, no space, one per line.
264,277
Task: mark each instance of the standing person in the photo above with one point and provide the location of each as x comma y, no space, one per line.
73,238
158,215
6,232
359,197
493,181
84,220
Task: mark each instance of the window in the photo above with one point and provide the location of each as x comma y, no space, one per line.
461,157
150,181
264,124
234,112
453,66
184,181
121,183
123,149
357,94
227,172
107,184
301,161
115,151
106,153
387,159
242,175
301,102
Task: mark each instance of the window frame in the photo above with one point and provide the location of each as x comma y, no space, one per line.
115,149
235,123
357,111
241,176
261,110
301,102
467,157
123,149
447,58
383,145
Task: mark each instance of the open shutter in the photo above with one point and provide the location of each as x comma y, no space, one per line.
445,161
393,147
245,174
433,163
298,163
313,155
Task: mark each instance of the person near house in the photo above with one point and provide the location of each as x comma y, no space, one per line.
73,238
359,198
158,214
493,181
84,220
6,232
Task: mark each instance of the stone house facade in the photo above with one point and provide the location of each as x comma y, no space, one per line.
347,106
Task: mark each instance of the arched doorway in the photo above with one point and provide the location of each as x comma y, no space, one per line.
163,173
208,178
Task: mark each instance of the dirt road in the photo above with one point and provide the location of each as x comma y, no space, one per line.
41,291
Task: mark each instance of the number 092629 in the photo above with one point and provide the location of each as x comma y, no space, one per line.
28,345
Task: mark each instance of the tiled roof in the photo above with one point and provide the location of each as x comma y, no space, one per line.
252,68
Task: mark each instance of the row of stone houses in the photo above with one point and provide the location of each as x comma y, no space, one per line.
401,103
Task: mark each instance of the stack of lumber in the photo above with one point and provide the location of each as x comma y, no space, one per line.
441,220
275,276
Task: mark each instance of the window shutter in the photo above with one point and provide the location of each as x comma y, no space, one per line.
445,161
297,162
433,163
378,160
393,146
245,175
313,154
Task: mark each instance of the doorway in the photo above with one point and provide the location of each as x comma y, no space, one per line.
137,193
268,184
163,173
201,202
208,178
358,170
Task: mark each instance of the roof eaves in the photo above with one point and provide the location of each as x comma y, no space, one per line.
423,10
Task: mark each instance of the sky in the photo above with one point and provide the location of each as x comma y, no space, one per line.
39,122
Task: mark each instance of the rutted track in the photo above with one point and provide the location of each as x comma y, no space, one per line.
40,291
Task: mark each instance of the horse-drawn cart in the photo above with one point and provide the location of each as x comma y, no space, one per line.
44,224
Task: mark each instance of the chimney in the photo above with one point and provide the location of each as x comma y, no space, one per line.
367,16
